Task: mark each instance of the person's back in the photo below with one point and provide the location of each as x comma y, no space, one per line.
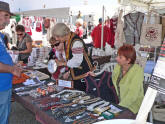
96,35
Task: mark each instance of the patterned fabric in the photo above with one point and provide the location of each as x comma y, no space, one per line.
86,64
101,88
132,27
113,26
27,23
151,34
119,35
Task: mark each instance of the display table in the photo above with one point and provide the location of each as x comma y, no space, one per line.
45,117
41,116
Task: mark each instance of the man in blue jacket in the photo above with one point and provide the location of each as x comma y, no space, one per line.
7,69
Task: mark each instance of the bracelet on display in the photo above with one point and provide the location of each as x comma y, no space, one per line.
77,112
62,113
92,106
103,105
85,121
61,105
69,119
65,92
89,101
100,110
73,95
89,121
34,94
76,100
113,109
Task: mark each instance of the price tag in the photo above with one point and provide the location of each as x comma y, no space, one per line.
64,83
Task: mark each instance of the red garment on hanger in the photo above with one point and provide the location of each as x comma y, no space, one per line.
113,26
96,36
38,27
27,23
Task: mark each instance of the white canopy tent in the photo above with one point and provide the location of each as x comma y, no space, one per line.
155,5
55,12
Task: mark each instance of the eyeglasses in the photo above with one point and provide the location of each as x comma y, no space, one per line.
20,34
55,45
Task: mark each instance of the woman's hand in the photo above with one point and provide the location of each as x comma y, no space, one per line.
15,51
60,63
66,75
91,74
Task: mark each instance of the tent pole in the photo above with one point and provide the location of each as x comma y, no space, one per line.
102,30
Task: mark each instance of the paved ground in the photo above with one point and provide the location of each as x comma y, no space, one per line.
20,115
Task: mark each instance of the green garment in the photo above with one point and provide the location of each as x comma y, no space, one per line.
131,87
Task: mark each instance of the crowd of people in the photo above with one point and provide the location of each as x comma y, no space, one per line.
71,55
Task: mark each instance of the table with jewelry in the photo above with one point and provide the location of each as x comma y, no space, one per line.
54,104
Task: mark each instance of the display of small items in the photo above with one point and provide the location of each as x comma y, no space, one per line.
43,91
72,106
82,105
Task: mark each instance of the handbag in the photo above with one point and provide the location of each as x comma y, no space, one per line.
151,34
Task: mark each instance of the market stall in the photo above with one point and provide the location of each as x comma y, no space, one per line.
53,104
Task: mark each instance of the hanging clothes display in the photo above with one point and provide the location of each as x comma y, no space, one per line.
119,34
38,26
113,26
52,24
27,23
96,36
151,34
47,23
101,88
132,27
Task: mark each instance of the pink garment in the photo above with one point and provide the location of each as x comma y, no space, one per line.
79,31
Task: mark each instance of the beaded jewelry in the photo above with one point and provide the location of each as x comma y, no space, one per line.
89,101
91,107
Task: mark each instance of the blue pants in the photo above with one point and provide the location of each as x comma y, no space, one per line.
5,102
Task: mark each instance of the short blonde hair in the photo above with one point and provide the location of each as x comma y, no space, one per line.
60,29
79,21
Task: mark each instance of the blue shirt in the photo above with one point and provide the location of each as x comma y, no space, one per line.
5,78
